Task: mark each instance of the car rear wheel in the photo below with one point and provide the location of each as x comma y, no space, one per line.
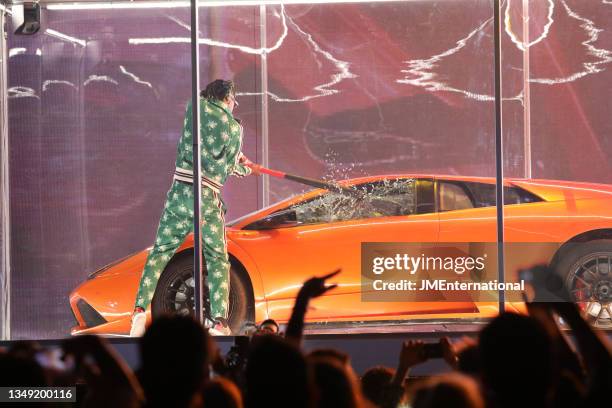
587,269
175,293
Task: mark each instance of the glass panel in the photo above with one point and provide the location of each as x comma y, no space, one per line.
232,46
4,204
557,136
376,90
380,91
97,102
366,93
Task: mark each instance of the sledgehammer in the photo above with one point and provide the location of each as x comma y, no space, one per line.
305,180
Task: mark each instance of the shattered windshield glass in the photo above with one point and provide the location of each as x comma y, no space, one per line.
385,198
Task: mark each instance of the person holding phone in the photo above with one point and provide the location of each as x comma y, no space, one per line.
221,156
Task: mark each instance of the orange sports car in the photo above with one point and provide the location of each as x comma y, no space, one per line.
275,249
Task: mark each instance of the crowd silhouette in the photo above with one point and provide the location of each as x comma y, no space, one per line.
515,361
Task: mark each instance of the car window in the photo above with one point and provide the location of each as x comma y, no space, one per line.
390,197
484,195
456,195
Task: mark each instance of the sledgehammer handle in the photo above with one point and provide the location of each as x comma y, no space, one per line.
303,180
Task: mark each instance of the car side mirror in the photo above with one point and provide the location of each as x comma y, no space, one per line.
284,219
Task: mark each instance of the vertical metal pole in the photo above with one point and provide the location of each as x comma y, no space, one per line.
5,268
265,191
197,168
499,151
526,93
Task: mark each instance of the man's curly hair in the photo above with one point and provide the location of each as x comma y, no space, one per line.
219,89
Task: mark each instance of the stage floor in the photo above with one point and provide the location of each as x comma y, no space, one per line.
398,327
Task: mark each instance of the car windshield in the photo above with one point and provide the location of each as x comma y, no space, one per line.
392,197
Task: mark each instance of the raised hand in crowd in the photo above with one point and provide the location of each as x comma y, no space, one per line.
316,286
391,393
411,354
584,376
461,355
110,381
312,288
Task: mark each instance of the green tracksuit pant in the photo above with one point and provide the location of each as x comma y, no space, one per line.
175,223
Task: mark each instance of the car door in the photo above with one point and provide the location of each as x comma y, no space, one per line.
323,234
468,222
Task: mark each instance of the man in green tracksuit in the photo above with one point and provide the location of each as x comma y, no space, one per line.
221,143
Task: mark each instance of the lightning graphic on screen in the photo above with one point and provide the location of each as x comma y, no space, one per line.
134,77
421,72
99,78
602,55
22,92
46,84
519,43
215,43
325,89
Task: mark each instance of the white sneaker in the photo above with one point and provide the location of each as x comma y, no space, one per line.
139,321
208,324
220,329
